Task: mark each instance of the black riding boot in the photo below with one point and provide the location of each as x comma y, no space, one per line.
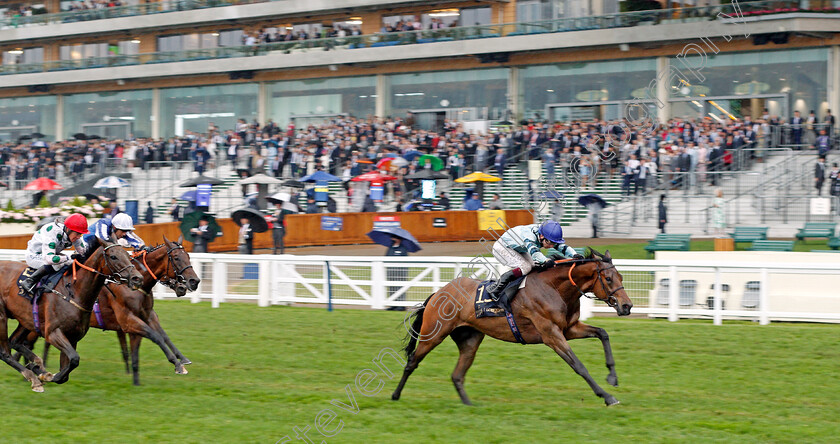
496,291
30,282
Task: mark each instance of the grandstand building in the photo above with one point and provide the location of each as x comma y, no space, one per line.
161,69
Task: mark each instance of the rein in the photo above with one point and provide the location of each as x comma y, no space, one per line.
610,299
170,263
108,277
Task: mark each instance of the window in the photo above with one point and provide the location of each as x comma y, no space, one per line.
230,38
29,55
83,51
476,16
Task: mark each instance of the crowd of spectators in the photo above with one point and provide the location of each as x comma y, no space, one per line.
93,4
347,147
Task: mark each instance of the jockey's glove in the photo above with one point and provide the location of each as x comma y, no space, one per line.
577,256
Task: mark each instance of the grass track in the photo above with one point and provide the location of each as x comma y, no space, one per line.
259,372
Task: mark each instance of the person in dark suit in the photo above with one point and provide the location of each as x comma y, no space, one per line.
444,202
201,235
175,210
396,273
819,175
150,213
796,128
663,213
499,162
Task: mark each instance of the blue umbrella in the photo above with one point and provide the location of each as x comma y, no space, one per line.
111,182
411,155
39,144
589,199
382,236
320,176
189,196
552,194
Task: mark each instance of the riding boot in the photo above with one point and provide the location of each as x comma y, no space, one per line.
496,291
30,282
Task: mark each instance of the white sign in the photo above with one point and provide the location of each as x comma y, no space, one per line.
820,206
534,169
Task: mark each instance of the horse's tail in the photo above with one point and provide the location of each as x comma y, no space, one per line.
416,320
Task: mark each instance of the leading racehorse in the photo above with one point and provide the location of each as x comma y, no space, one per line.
546,311
63,314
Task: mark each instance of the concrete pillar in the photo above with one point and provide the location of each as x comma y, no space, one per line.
383,95
155,115
262,103
52,6
515,95
833,84
371,22
59,117
663,93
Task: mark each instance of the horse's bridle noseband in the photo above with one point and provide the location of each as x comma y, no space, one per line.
610,300
119,274
179,274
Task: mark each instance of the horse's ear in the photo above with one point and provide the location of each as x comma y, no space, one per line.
180,240
607,254
165,240
102,242
112,238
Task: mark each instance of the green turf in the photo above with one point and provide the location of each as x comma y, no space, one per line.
259,372
637,250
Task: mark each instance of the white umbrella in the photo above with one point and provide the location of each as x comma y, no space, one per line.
111,182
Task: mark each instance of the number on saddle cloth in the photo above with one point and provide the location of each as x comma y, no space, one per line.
486,307
47,282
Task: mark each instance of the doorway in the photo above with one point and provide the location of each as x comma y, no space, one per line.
733,107
109,131
9,133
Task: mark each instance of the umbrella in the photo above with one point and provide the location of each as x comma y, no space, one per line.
37,136
427,173
278,198
93,137
39,144
196,181
373,176
80,136
91,196
190,221
411,155
382,236
255,218
111,182
189,196
293,183
384,164
320,176
3,184
45,221
478,176
43,184
260,179
589,199
551,194
437,164
22,138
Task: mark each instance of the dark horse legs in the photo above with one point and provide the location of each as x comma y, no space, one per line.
468,339
154,322
6,354
553,337
580,330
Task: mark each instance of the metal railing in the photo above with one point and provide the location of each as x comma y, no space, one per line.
716,290
120,11
626,19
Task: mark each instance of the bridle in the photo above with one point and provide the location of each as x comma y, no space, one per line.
170,264
112,276
610,300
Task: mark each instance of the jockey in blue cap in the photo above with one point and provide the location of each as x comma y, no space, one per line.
519,249
121,226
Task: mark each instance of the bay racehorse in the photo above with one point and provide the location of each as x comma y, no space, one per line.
132,311
546,312
63,315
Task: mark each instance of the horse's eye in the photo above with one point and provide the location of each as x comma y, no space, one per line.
609,279
113,257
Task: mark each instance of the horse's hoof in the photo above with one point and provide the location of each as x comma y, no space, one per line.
612,380
395,397
38,389
186,361
46,377
610,400
181,371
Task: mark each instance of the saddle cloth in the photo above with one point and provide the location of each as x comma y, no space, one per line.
486,307
47,283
